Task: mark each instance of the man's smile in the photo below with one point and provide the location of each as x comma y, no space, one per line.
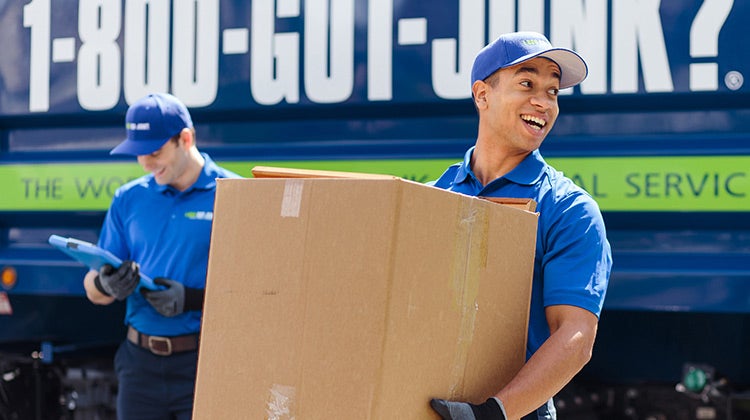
534,122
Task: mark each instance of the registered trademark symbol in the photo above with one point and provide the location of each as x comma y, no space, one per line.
734,80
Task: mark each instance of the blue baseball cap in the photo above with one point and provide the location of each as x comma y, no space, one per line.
516,47
150,122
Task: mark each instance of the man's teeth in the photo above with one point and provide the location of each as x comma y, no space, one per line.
534,120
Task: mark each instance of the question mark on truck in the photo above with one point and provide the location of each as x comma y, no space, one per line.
704,43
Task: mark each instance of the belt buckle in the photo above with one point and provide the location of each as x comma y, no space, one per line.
159,352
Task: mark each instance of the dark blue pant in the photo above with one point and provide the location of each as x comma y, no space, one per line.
154,387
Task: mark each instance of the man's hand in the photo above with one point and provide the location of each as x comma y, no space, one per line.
492,409
168,302
118,283
175,299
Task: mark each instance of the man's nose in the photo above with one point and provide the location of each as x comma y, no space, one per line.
542,101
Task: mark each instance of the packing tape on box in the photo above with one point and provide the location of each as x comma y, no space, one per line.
469,258
280,402
292,200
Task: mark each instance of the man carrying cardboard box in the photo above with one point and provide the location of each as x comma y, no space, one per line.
515,84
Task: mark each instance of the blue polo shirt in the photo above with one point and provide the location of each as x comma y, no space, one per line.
573,257
167,232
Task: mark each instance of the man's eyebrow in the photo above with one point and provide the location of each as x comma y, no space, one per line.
533,70
526,70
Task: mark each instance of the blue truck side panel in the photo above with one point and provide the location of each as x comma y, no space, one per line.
282,81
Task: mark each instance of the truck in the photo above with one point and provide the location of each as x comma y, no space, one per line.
657,134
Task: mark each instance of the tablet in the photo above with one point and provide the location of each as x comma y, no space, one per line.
93,256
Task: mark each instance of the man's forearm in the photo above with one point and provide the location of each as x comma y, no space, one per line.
551,367
92,292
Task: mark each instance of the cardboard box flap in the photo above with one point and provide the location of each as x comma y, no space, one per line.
520,203
279,172
276,172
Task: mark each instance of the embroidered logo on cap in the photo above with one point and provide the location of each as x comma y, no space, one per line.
144,126
532,41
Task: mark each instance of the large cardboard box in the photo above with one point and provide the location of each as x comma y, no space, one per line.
359,299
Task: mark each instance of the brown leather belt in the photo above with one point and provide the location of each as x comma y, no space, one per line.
163,346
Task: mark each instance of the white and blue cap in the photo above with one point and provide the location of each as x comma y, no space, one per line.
516,47
150,122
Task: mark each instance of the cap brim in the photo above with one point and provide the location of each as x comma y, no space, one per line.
573,69
137,148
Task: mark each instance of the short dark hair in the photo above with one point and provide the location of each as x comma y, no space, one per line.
492,79
176,137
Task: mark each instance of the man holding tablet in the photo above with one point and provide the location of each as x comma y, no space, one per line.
161,224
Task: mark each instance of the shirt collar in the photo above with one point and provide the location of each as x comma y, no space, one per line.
464,169
528,172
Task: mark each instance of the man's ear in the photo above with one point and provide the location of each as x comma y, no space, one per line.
479,94
186,138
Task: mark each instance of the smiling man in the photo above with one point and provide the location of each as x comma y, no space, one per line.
153,226
515,84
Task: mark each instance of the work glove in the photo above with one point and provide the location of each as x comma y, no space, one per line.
492,409
118,283
175,299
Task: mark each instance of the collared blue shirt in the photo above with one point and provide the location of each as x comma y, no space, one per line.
573,257
167,232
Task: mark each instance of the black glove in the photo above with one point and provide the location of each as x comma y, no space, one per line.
492,409
175,299
118,283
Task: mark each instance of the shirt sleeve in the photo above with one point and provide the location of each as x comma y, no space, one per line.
577,259
112,236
